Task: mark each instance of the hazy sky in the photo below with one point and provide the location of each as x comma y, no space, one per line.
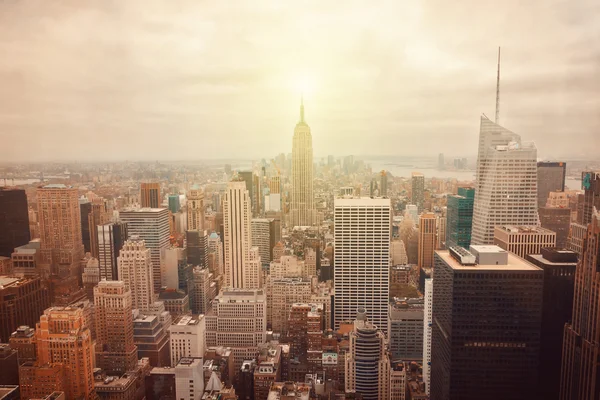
124,79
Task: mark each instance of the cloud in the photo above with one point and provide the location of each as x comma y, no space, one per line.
185,79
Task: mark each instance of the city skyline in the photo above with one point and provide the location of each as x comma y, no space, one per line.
145,75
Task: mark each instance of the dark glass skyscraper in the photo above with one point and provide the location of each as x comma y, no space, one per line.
559,279
85,208
551,178
459,218
487,308
14,220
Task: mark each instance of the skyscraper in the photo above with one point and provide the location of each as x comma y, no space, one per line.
150,194
383,185
240,270
111,238
506,185
187,337
418,190
14,220
580,374
302,210
523,240
115,351
98,216
427,236
22,301
60,233
487,308
551,178
590,183
63,337
174,204
136,270
265,235
427,321
367,363
459,220
195,210
559,280
362,258
152,226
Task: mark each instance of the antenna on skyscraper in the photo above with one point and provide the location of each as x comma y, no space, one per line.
498,89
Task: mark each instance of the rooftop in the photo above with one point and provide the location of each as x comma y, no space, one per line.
514,263
523,229
362,201
143,209
7,281
188,320
56,186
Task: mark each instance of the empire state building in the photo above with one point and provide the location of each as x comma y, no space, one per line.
302,210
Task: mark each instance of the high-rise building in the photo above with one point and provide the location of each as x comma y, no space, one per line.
506,184
523,240
202,290
551,178
174,204
487,309
111,237
559,280
440,237
367,363
9,367
580,375
266,232
248,178
215,248
173,260
590,183
418,190
90,276
150,195
282,293
302,209
427,239
189,378
85,209
197,248
98,216
459,218
427,322
23,341
557,220
22,301
405,330
62,336
60,218
135,269
238,319
116,352
195,210
187,337
240,270
441,162
152,226
14,220
151,339
362,258
383,184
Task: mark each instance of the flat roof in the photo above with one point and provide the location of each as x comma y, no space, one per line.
144,209
543,260
8,280
515,263
362,201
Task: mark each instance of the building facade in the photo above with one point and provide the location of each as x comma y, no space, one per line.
111,237
195,210
136,271
506,184
362,259
150,195
187,337
302,209
487,309
551,178
418,190
523,240
152,226
459,218
14,220
427,239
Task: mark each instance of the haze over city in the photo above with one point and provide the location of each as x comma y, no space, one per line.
155,80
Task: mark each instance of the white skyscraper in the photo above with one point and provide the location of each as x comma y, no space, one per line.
242,269
506,186
152,226
362,259
135,269
427,333
187,337
302,210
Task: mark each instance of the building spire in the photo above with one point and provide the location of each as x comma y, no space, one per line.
498,90
302,108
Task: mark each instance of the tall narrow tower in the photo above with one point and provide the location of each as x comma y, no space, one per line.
506,185
195,212
241,271
302,211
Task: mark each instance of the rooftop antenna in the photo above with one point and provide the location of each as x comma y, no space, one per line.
498,90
